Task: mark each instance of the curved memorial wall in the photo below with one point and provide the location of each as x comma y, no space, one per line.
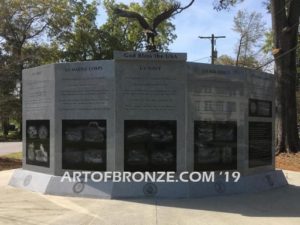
147,112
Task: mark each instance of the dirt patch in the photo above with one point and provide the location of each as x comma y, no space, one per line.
7,163
288,161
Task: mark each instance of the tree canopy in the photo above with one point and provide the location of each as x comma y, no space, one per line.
23,23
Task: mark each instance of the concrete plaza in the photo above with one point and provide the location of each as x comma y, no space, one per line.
10,147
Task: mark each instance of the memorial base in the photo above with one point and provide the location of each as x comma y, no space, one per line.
52,185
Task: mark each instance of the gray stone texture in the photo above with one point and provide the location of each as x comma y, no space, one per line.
143,86
50,184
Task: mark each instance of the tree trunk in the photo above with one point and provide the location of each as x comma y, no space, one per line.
285,27
17,53
239,51
5,126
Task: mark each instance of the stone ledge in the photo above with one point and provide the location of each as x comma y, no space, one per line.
49,184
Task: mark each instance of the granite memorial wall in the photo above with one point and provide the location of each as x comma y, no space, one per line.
150,100
147,112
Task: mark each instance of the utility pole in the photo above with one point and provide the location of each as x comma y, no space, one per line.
213,39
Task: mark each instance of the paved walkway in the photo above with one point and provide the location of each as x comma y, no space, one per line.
10,147
276,207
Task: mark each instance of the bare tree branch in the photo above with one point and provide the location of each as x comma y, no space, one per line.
183,8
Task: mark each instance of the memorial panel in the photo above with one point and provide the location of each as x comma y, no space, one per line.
260,144
38,92
150,87
215,145
37,142
84,144
150,145
84,88
260,108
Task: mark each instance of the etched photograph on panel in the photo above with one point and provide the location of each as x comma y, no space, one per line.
215,145
84,144
38,142
150,145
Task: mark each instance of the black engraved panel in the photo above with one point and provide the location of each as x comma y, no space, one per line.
38,142
150,145
84,145
260,144
215,145
260,108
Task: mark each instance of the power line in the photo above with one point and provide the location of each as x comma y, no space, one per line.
196,60
278,57
213,39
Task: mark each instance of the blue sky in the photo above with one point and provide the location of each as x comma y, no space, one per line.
202,20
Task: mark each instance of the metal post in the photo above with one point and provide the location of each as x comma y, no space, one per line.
212,49
213,39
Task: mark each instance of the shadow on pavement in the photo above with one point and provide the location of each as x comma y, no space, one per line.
281,202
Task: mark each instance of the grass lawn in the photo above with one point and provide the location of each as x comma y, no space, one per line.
17,155
11,161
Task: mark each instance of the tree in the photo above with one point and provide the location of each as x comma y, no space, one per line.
268,45
8,99
225,60
298,65
35,54
84,40
246,61
251,30
268,48
285,23
23,22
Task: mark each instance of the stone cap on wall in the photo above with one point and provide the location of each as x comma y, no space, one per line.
161,56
